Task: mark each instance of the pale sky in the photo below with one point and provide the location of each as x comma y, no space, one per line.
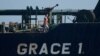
63,4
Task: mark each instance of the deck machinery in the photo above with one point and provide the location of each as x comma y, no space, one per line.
81,15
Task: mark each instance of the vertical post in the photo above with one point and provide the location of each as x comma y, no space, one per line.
65,19
22,21
53,19
3,27
61,19
29,17
50,18
36,16
36,19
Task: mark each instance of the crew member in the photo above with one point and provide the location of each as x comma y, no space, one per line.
45,23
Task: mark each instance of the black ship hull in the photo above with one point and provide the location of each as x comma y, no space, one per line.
79,39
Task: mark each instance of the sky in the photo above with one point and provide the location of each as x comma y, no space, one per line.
63,4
